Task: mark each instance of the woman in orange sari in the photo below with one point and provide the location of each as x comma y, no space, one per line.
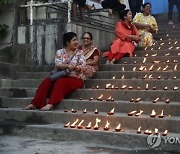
91,53
125,40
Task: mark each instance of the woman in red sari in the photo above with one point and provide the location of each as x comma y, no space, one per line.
91,54
125,40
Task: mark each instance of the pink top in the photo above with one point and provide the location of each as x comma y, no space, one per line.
62,57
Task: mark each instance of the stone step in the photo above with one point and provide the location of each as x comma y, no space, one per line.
101,83
58,116
145,95
171,109
126,94
140,67
110,138
136,75
148,60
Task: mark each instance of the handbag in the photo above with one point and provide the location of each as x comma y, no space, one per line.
55,74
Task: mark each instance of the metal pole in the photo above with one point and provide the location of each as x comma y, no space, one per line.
69,10
31,12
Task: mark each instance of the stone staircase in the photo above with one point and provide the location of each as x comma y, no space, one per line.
150,80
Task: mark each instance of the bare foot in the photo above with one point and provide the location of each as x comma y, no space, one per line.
111,63
107,62
29,107
48,107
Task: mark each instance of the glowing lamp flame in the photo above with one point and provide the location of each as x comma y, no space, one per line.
151,68
161,115
161,39
170,47
145,48
96,111
144,60
89,125
175,68
167,54
154,55
150,76
108,86
139,130
155,100
165,133
156,131
123,68
144,76
132,113
167,101
159,48
113,77
162,44
146,55
96,126
123,77
118,128
156,61
124,86
97,87
148,132
91,98
100,98
134,69
73,111
147,86
165,88
79,125
167,61
159,77
109,98
107,126
159,68
153,114
137,99
175,88
73,125
175,42
112,87
165,68
67,125
139,113
152,49
85,111
111,112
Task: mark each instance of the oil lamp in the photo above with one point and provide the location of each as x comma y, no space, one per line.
80,125
96,111
165,88
141,68
73,111
175,88
159,77
91,98
146,55
134,69
124,86
96,126
156,131
152,49
165,68
150,76
67,125
118,128
167,61
158,68
144,76
175,42
145,48
130,87
159,48
125,62
154,55
167,101
175,68
132,113
111,112
148,132
123,77
151,68
65,110
175,61
137,99
123,68
100,98
85,111
112,87
131,100
108,86
162,44
144,60
167,54
153,114
178,48
161,115
147,86
165,133
139,113
107,126
169,43
139,130
154,87
97,87
80,98
155,100
170,47
174,78
109,98
161,40
113,77
73,125
89,125
138,88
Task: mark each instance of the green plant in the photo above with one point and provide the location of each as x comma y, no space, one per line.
3,30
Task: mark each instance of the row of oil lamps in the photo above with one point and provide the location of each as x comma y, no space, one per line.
106,127
155,61
110,98
135,113
111,87
151,68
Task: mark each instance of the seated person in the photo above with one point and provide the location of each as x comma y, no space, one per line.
146,25
91,54
67,58
125,40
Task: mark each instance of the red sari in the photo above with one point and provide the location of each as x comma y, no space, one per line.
121,44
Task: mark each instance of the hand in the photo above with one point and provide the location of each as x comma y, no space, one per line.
77,68
136,38
71,67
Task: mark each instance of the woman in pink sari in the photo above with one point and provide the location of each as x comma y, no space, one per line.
125,40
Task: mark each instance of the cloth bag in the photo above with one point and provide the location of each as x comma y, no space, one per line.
55,74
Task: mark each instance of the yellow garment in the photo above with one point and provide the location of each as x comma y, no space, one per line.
147,37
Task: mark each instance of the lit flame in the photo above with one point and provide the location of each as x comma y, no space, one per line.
151,68
100,97
175,88
167,35
165,88
123,77
84,111
118,127
144,60
112,111
169,43
159,68
152,49
150,76
145,48
165,132
134,69
175,42
147,86
66,125
167,54
146,55
139,129
162,113
178,48
91,98
112,87
123,68
159,77
96,111
153,113
167,61
156,131
80,123
109,98
113,77
175,61
131,113
159,48
144,76
162,44
74,124
138,114
107,124
72,110
156,99
156,62
142,68
89,125
175,68
161,39
97,87
165,68
154,55
137,100
170,47
97,122
108,85
124,86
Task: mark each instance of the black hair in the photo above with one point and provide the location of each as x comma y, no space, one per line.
67,37
91,37
144,5
123,13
